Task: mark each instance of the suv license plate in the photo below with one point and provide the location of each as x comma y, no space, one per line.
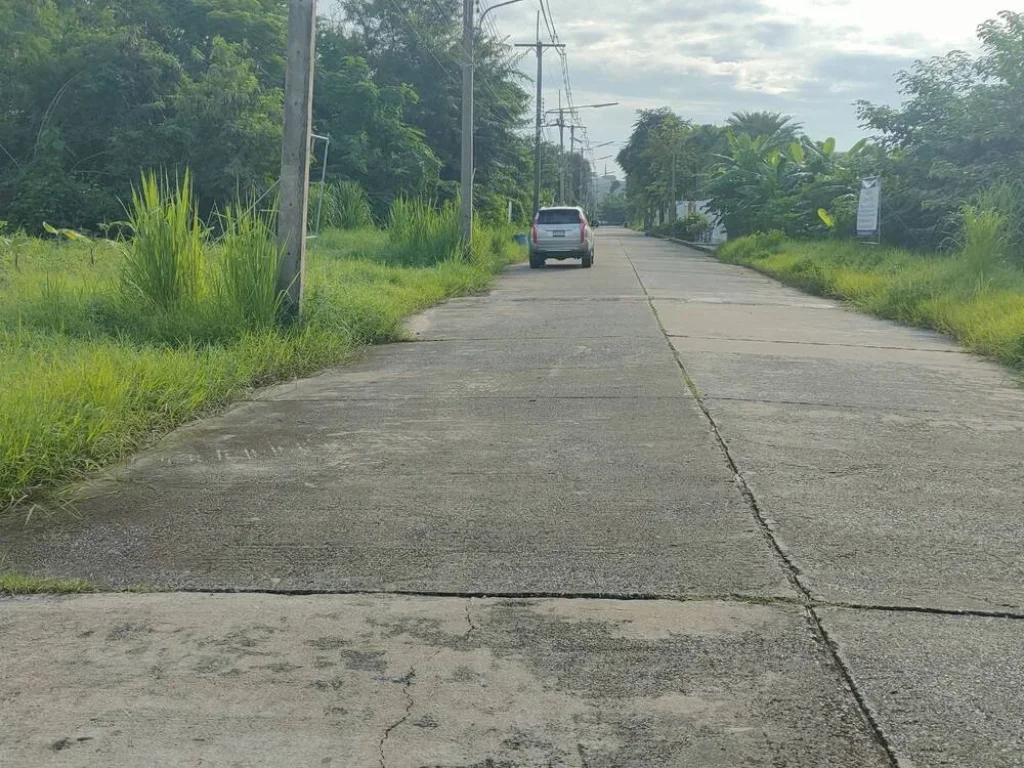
558,233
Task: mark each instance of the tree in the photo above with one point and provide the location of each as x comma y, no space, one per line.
92,93
371,142
647,159
759,187
418,43
613,208
959,131
222,125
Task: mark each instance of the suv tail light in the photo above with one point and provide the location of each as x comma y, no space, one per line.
534,232
583,230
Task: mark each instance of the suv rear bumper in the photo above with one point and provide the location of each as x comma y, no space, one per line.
576,252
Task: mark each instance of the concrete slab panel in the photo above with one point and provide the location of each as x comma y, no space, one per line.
451,370
933,382
492,318
480,496
889,508
361,682
801,324
946,690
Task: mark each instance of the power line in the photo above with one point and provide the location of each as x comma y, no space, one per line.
547,23
554,31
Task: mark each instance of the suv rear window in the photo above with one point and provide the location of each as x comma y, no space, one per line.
566,216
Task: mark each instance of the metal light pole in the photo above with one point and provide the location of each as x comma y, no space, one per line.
469,30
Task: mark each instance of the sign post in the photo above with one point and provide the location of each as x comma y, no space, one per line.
869,210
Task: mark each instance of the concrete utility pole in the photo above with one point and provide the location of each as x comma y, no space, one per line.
560,125
582,164
298,123
538,156
540,47
561,151
468,32
675,213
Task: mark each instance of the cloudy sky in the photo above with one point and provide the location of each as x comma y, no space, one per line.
808,58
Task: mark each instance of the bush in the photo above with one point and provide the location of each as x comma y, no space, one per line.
691,227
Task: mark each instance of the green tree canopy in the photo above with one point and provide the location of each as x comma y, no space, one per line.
91,93
959,130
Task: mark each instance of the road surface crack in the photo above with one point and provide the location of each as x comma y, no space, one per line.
469,619
407,683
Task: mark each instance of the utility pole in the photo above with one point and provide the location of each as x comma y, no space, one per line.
468,32
540,48
675,212
293,215
560,125
561,151
539,157
578,197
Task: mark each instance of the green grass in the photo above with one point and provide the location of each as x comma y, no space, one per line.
13,584
972,296
88,375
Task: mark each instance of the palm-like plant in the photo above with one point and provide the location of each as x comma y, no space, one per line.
756,124
765,184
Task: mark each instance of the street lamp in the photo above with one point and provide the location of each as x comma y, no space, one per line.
585,106
494,8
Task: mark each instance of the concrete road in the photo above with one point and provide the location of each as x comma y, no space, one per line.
664,512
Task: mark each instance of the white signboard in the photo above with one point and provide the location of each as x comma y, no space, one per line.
870,209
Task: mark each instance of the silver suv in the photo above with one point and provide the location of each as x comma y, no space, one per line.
561,233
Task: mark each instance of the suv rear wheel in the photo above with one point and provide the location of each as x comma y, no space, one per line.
588,260
536,262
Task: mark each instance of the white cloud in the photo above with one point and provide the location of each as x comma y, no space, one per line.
808,58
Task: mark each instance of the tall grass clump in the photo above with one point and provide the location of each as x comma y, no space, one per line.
421,234
1007,197
164,260
248,266
493,246
341,205
983,241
